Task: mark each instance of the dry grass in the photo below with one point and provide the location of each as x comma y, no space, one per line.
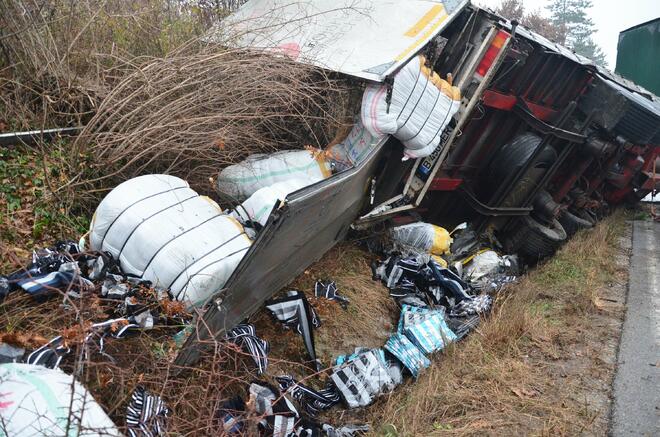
59,58
507,378
368,320
205,107
512,376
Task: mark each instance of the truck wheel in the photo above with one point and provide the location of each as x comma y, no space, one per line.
572,223
587,215
513,156
540,241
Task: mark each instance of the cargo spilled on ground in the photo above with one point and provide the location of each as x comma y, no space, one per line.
531,355
273,247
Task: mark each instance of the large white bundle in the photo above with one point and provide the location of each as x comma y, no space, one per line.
421,106
37,401
258,171
258,206
355,147
163,231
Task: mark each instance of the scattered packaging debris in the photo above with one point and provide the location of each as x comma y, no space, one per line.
146,414
295,312
328,290
475,305
361,379
488,271
426,328
244,335
407,353
10,354
313,401
276,415
51,270
230,416
413,277
134,303
279,415
420,237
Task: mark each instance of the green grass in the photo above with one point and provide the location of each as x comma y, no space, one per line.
31,210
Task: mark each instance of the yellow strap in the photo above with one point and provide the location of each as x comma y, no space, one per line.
212,202
418,42
240,227
440,260
444,86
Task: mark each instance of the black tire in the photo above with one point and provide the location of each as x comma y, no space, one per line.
514,154
587,215
511,157
538,241
572,223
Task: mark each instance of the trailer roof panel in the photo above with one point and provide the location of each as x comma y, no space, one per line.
368,39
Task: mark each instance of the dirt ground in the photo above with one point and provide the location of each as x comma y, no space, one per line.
541,364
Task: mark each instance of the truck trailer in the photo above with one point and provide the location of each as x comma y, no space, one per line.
543,143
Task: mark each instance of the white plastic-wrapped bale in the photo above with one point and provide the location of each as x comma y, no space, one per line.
259,171
421,106
36,401
258,206
163,231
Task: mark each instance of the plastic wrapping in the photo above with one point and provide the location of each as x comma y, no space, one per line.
405,351
363,378
426,328
259,171
258,206
483,264
354,148
487,270
37,401
421,237
162,231
421,106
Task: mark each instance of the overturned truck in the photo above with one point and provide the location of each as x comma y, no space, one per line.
465,116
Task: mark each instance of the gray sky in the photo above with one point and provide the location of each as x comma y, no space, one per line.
610,18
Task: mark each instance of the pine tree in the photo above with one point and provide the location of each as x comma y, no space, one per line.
577,29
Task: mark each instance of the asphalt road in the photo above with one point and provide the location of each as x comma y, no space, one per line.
637,381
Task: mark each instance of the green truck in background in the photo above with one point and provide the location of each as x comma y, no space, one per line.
638,55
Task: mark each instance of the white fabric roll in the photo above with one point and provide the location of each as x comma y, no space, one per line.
258,206
421,106
173,237
36,401
258,171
